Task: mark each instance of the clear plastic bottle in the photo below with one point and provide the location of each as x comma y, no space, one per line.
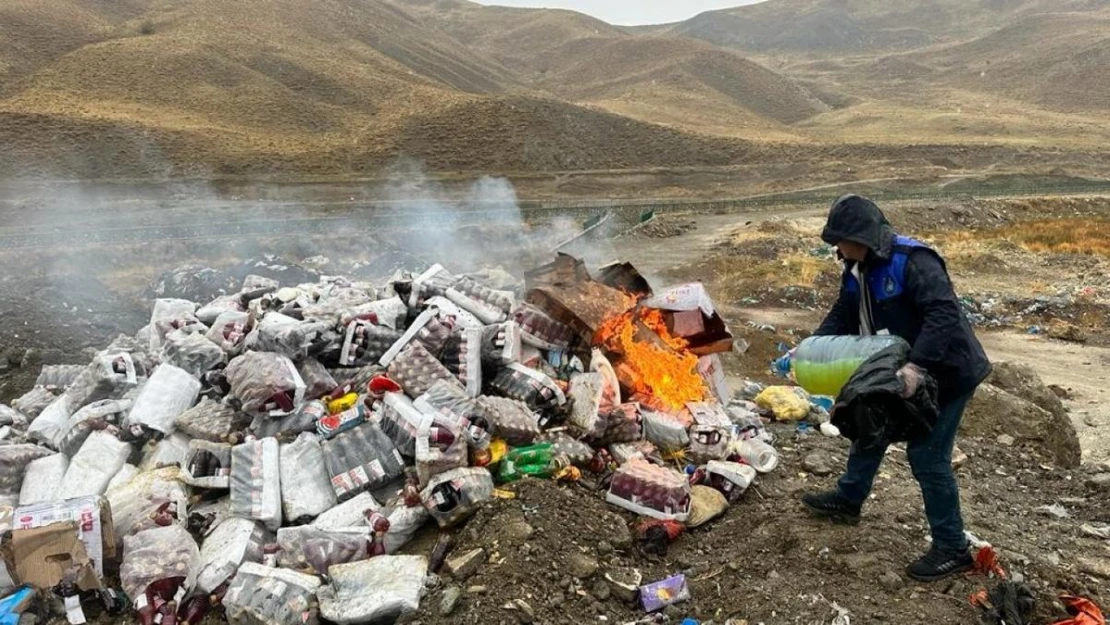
824,364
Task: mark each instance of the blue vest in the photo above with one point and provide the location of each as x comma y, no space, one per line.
887,280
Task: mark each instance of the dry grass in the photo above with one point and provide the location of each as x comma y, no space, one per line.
1087,236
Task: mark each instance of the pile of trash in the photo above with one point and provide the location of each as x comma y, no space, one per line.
270,452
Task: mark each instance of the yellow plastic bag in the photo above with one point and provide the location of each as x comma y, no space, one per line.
789,403
336,406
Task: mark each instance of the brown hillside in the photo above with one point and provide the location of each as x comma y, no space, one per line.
626,68
815,26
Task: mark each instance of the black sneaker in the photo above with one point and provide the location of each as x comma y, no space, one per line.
832,505
937,565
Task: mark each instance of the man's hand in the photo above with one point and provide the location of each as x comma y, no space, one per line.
911,376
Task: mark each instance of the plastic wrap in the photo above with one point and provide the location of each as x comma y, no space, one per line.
265,383
255,285
585,395
361,459
650,491
309,549
123,476
377,590
446,310
95,416
225,548
427,329
58,376
453,496
33,402
624,424
435,281
365,343
256,482
356,377
350,513
283,335
98,461
42,481
447,401
404,523
156,554
731,478
136,502
665,432
212,421
501,300
390,313
440,447
207,465
416,370
532,387
509,419
577,452
229,331
486,313
168,393
462,356
222,304
290,426
168,452
261,595
501,344
317,381
399,418
538,329
192,352
169,315
50,426
305,484
785,402
11,416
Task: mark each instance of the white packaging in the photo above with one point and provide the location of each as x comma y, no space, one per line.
166,314
256,482
306,490
404,523
168,452
169,392
50,426
123,476
200,453
350,513
135,502
376,590
737,477
98,461
42,483
224,549
156,554
263,595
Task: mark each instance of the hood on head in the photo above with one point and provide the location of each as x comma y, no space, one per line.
858,219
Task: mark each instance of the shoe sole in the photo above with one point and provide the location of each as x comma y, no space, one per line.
936,578
836,517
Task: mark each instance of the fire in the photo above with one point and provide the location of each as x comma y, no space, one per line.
653,363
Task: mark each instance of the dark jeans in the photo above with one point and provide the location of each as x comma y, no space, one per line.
931,461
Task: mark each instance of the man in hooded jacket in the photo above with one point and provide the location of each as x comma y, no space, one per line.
896,285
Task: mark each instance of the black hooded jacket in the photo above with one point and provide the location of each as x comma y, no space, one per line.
870,410
919,303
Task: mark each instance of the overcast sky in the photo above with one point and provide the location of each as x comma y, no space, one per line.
629,12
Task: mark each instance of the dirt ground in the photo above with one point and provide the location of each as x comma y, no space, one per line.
764,561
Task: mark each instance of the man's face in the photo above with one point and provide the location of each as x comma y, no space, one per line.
852,250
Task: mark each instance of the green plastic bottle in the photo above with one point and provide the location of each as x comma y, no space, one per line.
823,364
534,460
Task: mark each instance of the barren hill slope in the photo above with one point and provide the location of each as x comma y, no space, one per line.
203,87
840,26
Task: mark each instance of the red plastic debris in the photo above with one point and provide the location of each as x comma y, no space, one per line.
1083,611
986,563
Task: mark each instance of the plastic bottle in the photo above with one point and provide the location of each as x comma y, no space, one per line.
823,364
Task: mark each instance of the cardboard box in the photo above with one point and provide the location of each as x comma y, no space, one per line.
45,555
92,517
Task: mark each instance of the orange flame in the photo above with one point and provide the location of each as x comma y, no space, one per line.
667,372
